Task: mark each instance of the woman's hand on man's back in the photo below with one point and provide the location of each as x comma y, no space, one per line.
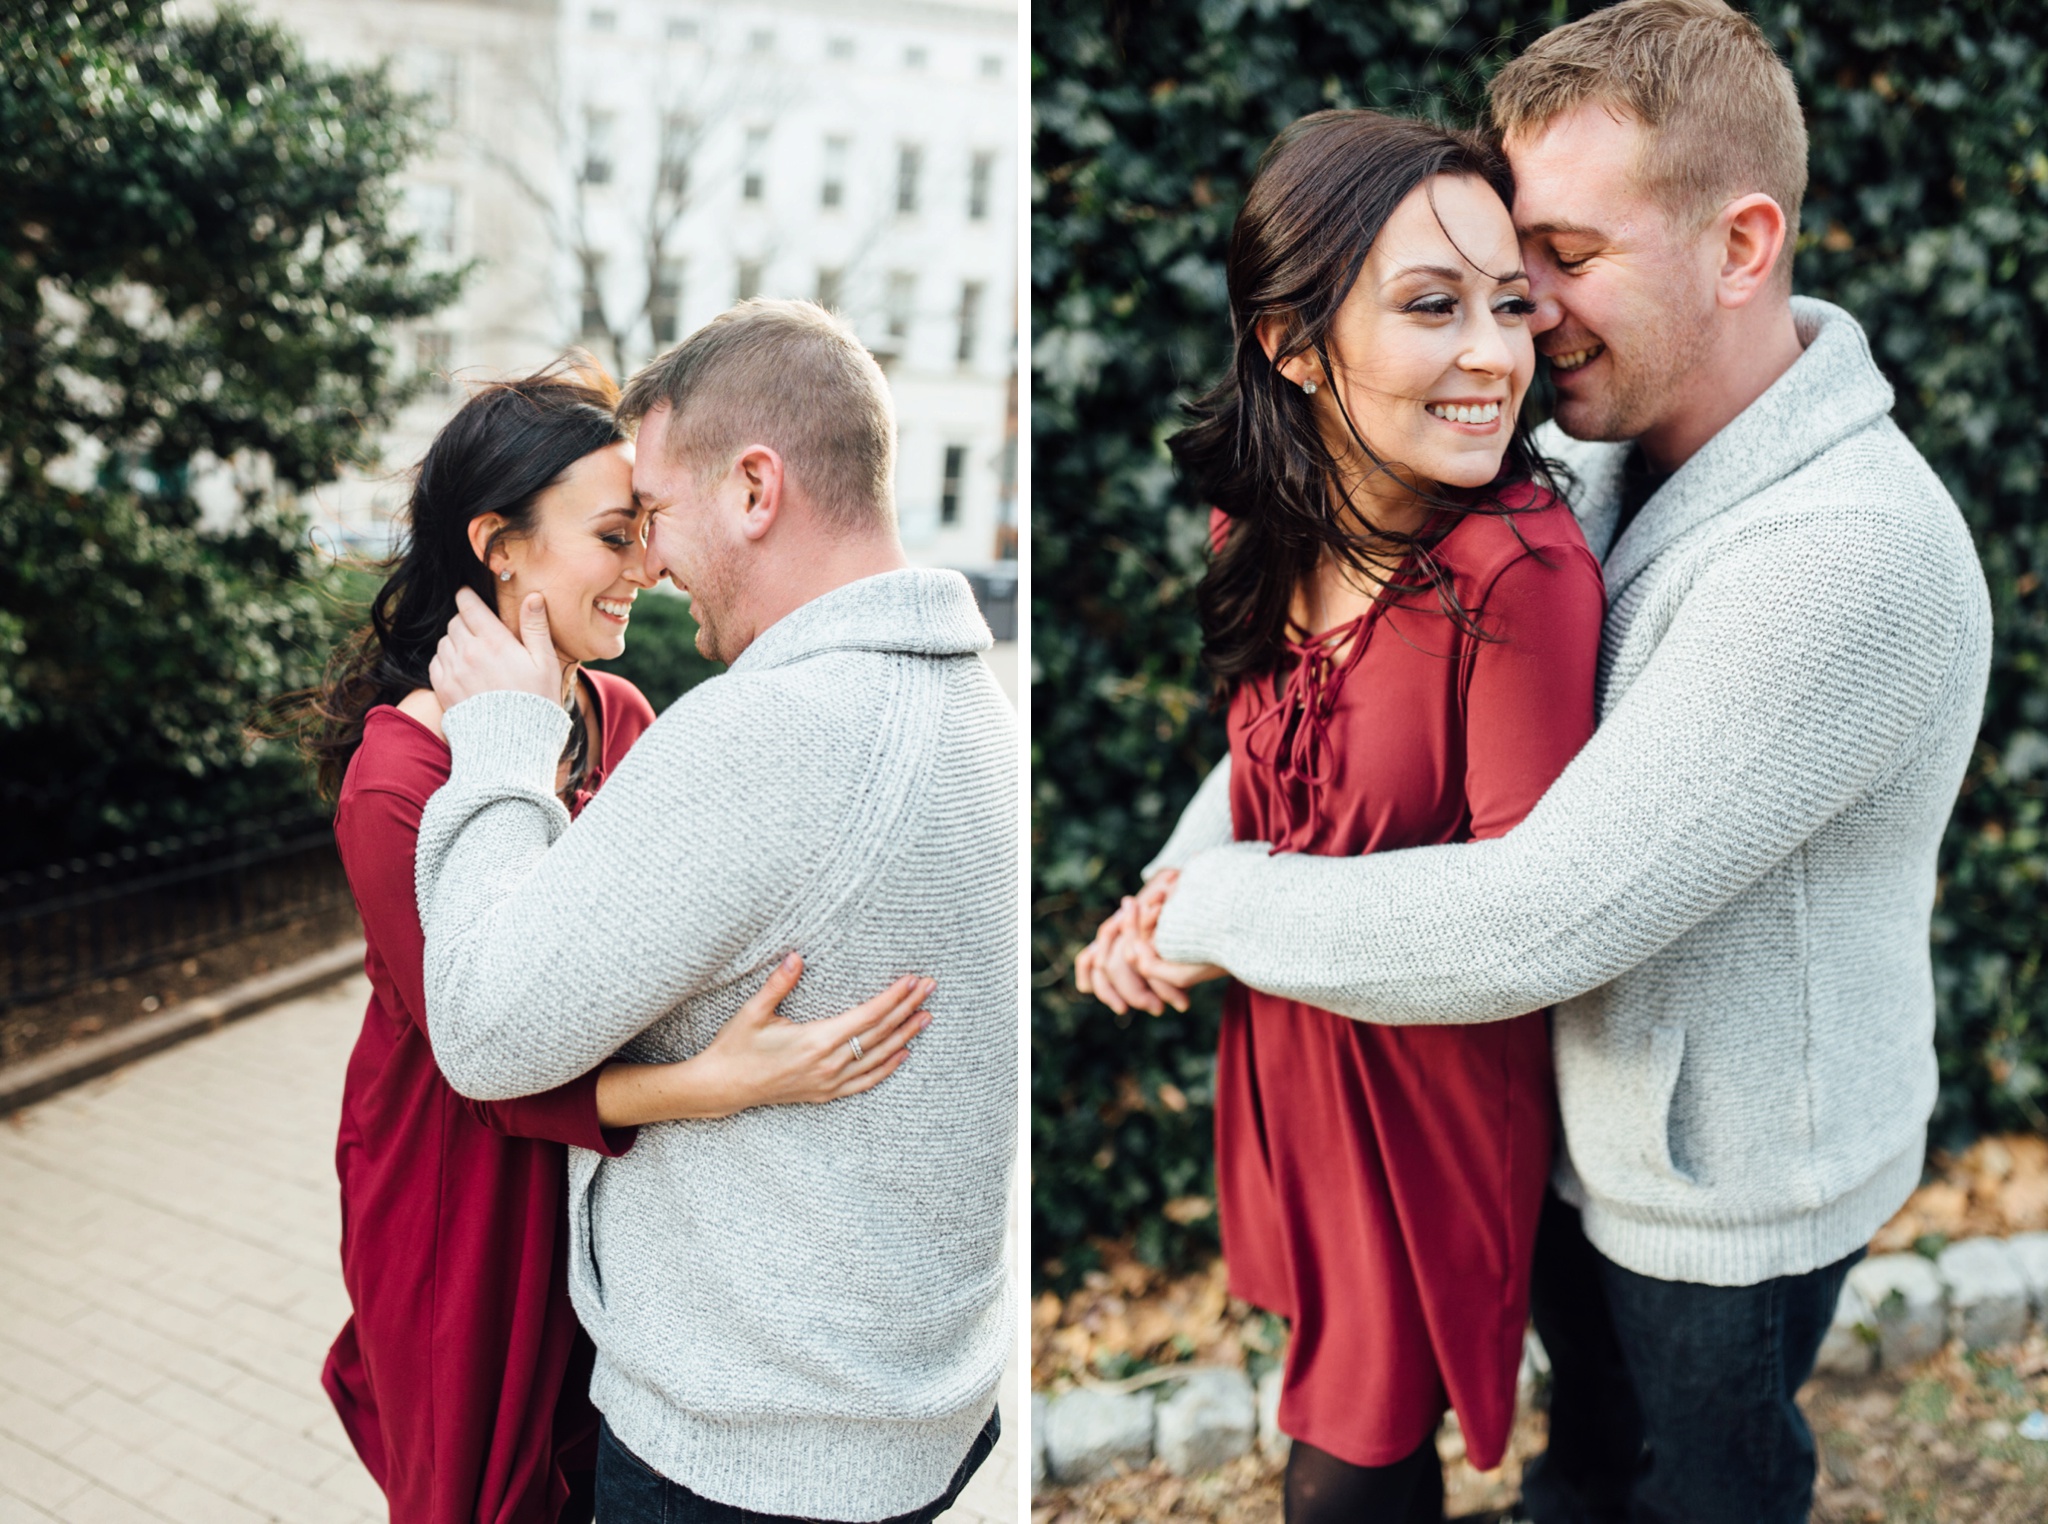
762,1058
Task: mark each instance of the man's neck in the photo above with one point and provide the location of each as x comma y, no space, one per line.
1745,359
808,570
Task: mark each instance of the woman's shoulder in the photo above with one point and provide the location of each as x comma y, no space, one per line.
1537,520
399,754
626,710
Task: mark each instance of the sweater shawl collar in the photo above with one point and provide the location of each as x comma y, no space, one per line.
1832,391
916,611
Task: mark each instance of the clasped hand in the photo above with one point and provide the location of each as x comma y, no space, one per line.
1122,966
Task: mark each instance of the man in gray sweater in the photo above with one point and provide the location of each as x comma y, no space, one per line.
798,1310
1726,896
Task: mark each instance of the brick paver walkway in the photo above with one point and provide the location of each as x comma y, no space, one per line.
169,1287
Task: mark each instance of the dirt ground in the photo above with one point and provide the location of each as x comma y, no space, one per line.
29,1031
1941,1442
1936,1443
1248,1490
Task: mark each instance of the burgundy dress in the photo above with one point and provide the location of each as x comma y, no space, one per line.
1379,1185
463,1377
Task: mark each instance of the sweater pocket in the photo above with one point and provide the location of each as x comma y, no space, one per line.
585,1171
1666,1057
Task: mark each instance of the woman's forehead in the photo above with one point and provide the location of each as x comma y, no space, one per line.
599,482
1448,221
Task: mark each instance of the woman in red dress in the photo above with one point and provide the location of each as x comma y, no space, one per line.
1404,621
462,1377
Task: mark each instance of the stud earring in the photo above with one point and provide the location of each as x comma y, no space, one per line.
505,575
1308,388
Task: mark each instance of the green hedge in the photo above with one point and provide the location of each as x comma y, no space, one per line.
199,257
1927,217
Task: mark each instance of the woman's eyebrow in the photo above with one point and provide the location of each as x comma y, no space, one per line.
1433,272
623,510
1453,274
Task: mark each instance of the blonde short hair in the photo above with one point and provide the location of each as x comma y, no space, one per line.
791,376
1720,106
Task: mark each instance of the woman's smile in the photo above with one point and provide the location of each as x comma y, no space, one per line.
1468,415
617,610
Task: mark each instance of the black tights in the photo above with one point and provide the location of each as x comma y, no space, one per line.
1324,1490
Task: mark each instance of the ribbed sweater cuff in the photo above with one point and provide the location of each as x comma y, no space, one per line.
1200,916
505,741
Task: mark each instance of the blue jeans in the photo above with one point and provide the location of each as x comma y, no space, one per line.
629,1491
1672,1403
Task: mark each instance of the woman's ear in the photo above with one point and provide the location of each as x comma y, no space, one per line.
1300,369
482,530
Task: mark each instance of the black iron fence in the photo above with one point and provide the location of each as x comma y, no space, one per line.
99,917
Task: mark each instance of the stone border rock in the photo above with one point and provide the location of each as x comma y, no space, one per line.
1894,1309
40,1078
1897,1308
1192,1417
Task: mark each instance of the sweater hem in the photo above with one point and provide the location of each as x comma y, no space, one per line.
1749,1253
855,1470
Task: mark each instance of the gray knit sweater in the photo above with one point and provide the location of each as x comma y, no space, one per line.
800,1309
1726,895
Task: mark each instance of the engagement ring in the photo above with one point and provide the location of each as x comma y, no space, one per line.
854,1043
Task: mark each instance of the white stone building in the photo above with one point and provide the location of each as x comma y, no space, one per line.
623,170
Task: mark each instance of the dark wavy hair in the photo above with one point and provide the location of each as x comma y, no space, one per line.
505,445
1323,191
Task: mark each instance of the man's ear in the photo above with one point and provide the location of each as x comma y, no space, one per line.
1752,230
1274,330
759,471
481,530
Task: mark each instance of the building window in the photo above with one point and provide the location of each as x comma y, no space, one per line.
991,66
902,291
915,58
754,165
831,289
665,301
436,74
981,172
681,29
750,279
840,48
597,146
432,211
591,323
909,161
950,484
760,40
970,321
678,135
604,21
433,351
833,191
